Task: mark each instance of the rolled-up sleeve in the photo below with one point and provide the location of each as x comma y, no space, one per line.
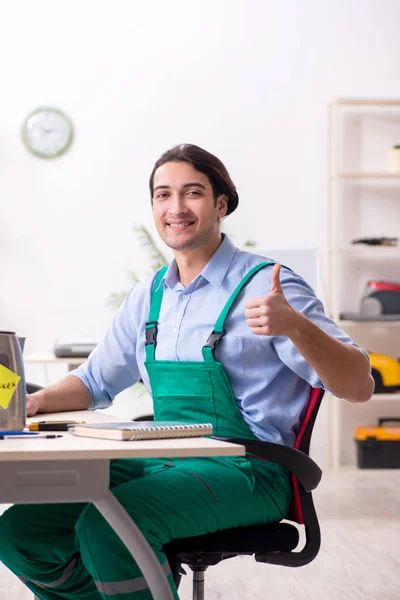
112,366
303,299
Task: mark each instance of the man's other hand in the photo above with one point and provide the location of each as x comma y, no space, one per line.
32,405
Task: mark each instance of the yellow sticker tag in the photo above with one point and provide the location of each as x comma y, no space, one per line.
8,384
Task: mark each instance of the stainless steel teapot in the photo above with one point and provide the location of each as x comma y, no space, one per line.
12,383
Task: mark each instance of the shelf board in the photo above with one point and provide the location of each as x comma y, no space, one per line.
380,175
365,252
368,101
344,322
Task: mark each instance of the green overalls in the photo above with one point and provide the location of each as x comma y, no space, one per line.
68,550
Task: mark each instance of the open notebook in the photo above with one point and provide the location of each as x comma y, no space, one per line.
142,430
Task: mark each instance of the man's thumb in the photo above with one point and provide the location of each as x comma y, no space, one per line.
275,279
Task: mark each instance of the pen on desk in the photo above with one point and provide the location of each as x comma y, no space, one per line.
52,425
39,437
19,433
70,421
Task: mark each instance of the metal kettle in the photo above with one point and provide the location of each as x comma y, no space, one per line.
12,383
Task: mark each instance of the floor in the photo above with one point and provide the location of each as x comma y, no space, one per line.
359,513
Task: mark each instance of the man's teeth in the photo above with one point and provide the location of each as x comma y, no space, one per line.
179,225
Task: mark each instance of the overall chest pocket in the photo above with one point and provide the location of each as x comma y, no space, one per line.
185,394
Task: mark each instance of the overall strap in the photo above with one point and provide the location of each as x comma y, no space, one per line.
219,331
155,306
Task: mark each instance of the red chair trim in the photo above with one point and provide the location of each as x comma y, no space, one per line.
296,511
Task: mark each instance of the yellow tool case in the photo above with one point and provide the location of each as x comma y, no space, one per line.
379,447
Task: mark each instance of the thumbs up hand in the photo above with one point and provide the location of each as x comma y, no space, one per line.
271,315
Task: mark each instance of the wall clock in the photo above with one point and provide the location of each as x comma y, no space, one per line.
47,132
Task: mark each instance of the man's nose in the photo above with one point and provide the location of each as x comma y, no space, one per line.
177,205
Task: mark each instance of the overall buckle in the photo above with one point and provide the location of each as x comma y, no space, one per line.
214,338
151,332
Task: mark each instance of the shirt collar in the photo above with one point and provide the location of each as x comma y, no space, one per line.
214,271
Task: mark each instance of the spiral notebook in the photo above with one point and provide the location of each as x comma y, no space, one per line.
142,430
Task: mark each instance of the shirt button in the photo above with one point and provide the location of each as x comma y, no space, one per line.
174,330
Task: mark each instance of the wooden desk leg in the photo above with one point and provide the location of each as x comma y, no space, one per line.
137,545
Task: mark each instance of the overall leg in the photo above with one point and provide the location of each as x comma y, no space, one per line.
37,543
185,498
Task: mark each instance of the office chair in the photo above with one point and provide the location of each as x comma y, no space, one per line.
271,543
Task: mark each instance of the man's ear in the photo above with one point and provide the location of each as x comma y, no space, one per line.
222,205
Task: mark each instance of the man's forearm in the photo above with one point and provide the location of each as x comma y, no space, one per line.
65,395
343,369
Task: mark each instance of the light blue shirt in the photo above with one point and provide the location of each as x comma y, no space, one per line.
270,378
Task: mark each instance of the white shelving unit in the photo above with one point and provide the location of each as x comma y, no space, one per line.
363,201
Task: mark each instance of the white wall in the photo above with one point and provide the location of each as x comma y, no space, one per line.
248,80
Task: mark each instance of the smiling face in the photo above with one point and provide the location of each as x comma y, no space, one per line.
186,213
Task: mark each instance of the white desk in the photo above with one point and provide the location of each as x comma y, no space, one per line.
76,469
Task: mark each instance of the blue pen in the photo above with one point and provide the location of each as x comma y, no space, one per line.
23,433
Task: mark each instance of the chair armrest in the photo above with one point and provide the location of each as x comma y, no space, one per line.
306,471
31,388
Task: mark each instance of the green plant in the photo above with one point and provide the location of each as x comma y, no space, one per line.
156,260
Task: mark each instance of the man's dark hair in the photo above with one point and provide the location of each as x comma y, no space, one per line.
206,163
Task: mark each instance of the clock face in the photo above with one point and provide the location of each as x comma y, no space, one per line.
47,132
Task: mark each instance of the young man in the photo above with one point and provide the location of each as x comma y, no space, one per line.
253,383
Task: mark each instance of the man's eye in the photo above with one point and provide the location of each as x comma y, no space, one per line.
195,192
161,195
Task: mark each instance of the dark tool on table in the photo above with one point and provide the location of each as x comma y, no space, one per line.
53,425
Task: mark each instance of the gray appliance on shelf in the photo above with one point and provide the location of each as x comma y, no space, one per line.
74,348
